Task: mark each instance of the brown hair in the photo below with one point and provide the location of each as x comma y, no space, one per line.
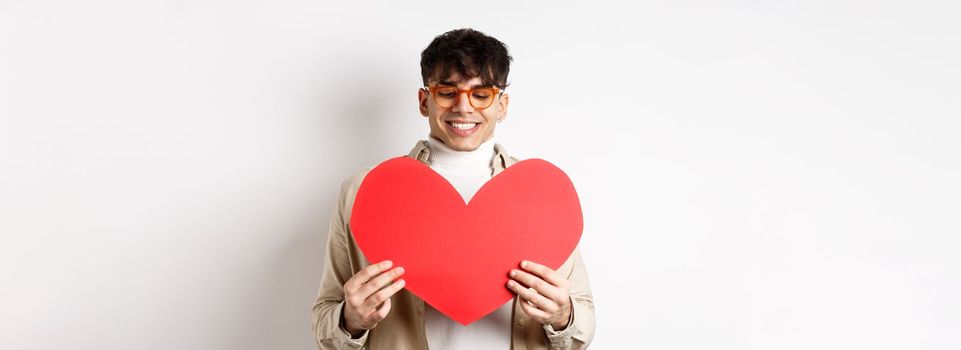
468,53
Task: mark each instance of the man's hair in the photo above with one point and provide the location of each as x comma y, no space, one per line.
469,53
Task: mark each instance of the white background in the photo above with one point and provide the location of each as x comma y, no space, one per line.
754,174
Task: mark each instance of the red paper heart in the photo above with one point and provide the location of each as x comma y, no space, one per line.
456,255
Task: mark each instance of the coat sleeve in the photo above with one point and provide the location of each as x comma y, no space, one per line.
328,308
580,332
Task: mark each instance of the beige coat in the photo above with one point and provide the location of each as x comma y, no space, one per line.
403,328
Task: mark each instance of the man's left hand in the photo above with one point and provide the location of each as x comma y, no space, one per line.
544,294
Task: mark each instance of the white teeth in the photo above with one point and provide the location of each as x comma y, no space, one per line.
464,126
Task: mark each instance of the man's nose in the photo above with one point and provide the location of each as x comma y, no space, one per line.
462,104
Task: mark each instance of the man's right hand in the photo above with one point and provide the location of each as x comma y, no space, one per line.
367,296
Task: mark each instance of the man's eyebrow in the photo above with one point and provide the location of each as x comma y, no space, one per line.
451,83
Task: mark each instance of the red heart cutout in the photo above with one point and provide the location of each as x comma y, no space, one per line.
456,255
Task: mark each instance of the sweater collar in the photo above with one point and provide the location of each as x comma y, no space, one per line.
444,157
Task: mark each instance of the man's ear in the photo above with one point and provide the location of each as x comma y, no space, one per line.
504,101
422,100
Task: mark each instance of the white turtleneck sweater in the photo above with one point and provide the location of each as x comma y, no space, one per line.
467,172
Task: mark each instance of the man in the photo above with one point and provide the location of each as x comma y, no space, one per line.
363,305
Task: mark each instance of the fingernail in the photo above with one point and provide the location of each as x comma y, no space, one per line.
511,283
513,273
387,263
525,264
400,270
401,282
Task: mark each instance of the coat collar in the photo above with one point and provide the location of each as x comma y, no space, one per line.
501,159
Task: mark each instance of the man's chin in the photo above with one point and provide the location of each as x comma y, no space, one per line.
462,146
459,144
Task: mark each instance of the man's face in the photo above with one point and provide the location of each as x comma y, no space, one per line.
461,126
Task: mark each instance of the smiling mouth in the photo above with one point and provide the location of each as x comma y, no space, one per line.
462,129
462,126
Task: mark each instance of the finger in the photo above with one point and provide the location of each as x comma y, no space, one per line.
531,295
546,273
386,293
381,313
543,288
377,283
537,314
375,315
359,279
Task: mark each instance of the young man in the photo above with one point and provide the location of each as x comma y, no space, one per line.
363,305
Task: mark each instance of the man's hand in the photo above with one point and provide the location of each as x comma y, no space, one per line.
367,296
544,294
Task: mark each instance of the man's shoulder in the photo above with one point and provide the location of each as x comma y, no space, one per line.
348,191
352,182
